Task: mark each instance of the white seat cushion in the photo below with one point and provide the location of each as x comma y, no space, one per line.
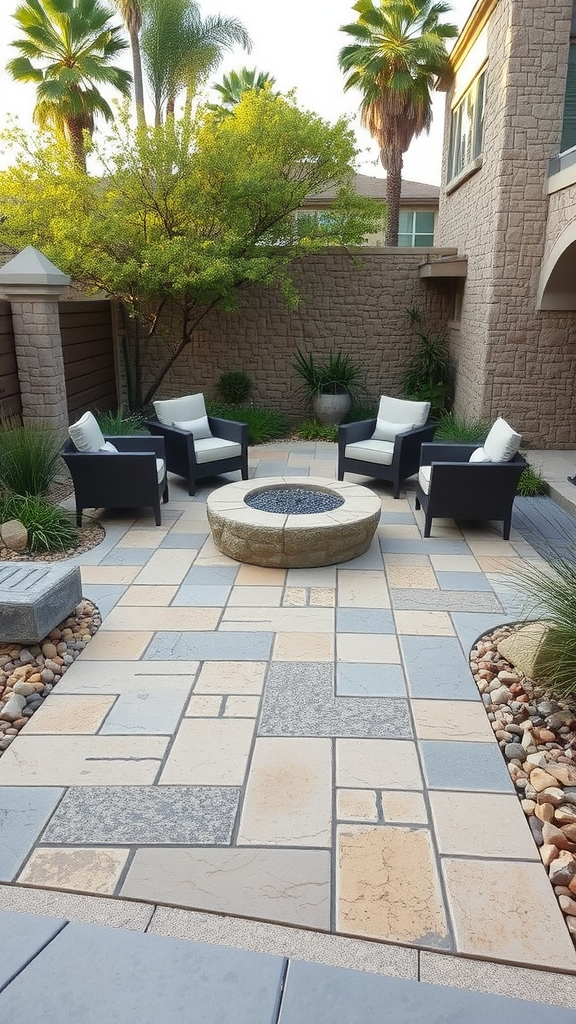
210,449
200,427
160,471
502,442
371,451
86,434
424,474
190,407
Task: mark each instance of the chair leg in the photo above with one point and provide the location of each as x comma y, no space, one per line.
506,528
165,493
244,470
417,505
427,525
191,487
396,489
78,516
157,514
340,473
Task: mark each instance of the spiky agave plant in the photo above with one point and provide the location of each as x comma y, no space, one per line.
551,593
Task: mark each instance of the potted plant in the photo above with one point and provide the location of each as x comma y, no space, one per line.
330,387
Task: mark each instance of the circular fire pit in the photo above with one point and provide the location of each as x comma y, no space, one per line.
297,535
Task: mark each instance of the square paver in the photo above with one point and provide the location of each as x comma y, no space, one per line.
358,589
362,679
404,807
377,764
482,825
436,668
468,766
209,752
242,677
368,647
356,805
86,870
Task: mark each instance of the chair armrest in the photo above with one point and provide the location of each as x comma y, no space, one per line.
139,444
438,452
229,430
359,431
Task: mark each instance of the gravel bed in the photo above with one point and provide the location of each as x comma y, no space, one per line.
294,501
537,736
28,673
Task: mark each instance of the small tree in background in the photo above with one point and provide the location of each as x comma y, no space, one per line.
188,214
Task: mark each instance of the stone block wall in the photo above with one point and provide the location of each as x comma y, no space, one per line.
513,359
354,302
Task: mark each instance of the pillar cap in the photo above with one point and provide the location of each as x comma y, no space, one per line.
31,275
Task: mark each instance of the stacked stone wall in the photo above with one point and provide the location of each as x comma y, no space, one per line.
511,358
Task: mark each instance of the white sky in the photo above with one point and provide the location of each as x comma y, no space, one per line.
298,43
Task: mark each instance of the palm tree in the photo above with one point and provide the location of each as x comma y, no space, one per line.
180,49
236,84
399,48
67,51
131,11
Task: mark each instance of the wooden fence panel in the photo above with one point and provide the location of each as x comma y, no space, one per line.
88,350
10,402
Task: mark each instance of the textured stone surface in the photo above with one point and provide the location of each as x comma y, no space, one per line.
34,598
27,936
89,870
24,811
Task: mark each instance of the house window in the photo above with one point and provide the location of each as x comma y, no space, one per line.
467,128
416,227
569,121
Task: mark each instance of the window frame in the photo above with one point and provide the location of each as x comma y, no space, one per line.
414,232
465,149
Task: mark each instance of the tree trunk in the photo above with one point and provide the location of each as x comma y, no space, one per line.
170,105
138,80
393,192
75,134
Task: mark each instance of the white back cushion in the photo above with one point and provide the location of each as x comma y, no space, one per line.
479,455
200,427
386,431
502,442
191,407
400,410
86,434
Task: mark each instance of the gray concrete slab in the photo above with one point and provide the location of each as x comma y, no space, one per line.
23,936
24,810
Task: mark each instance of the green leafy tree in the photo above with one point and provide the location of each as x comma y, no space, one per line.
234,85
398,48
181,49
131,11
185,216
67,49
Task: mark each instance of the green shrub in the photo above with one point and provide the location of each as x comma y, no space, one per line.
50,527
28,456
551,591
339,375
235,387
263,424
429,376
531,484
311,430
116,424
455,428
362,412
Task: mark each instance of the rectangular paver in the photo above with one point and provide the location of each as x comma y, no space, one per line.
209,752
24,811
87,760
436,668
209,646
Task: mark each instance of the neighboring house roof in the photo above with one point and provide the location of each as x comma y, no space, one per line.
414,193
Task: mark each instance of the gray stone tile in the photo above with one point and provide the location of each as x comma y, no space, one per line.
150,711
444,600
277,467
104,596
198,596
76,907
95,555
371,559
24,935
183,540
128,556
24,810
462,765
143,979
425,546
144,814
471,581
471,625
334,995
202,646
299,701
437,668
364,620
399,518
211,576
365,680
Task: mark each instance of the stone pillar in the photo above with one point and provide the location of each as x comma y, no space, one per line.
33,286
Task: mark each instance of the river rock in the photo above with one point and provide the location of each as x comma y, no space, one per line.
551,834
544,811
25,689
567,905
563,869
14,535
565,815
500,696
553,795
512,750
563,773
13,708
541,779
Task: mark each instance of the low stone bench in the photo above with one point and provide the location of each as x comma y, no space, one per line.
34,598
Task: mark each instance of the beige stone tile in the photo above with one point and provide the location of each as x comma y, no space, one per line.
147,595
204,705
452,720
167,566
381,648
122,645
482,825
454,563
83,760
319,576
86,869
491,563
399,531
70,714
295,597
195,523
278,620
241,707
209,752
109,573
375,764
246,596
135,538
356,805
289,793
322,597
177,618
494,907
209,554
362,589
243,677
260,576
288,886
404,807
411,576
423,623
109,677
405,559
303,647
372,897
493,546
398,505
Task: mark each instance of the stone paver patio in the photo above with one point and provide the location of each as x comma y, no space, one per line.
302,746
